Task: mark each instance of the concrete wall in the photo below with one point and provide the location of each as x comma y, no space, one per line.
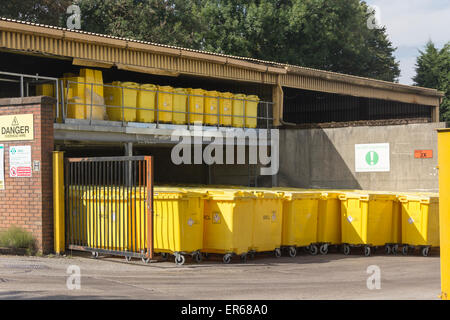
325,158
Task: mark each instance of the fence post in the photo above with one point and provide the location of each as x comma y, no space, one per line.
149,186
58,202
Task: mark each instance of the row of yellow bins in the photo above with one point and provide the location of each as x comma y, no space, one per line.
149,103
88,97
316,220
228,222
242,222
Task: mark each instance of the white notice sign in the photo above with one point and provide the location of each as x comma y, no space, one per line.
20,161
372,157
2,167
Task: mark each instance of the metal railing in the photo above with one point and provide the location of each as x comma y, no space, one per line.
25,82
92,104
262,119
109,206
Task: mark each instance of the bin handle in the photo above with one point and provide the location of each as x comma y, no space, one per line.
342,197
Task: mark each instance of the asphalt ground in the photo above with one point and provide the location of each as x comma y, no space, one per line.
332,276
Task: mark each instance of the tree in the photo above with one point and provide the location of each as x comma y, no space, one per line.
325,34
171,22
49,12
433,71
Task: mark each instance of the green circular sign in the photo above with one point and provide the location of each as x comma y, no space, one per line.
372,158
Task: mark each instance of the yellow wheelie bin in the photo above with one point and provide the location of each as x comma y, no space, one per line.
146,103
107,219
420,222
211,107
300,211
226,108
251,111
94,94
196,106
178,223
180,106
165,104
121,99
48,89
328,221
76,216
74,89
267,222
228,223
238,110
368,220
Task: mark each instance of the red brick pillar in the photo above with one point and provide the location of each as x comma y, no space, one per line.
27,201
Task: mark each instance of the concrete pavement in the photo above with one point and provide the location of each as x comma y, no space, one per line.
334,276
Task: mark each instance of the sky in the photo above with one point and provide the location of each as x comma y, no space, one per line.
410,24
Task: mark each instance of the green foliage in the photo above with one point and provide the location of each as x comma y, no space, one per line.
433,71
39,11
17,238
324,34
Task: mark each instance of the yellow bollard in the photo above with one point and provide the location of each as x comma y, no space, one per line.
58,201
444,207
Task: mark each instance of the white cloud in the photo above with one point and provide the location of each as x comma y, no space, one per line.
410,24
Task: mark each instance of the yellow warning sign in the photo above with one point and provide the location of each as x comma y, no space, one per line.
18,127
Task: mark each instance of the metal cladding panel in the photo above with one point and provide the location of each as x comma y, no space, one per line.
48,40
330,86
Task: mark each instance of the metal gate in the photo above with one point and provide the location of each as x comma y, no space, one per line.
109,206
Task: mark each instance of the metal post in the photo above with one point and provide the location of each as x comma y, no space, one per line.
189,111
149,187
123,111
244,116
157,107
129,153
58,202
92,102
21,86
218,112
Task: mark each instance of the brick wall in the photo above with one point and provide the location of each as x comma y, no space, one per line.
28,202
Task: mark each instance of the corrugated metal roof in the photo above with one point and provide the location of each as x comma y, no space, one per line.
295,74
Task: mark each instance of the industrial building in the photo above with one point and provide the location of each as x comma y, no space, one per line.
321,115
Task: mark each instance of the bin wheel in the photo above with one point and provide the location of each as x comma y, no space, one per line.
346,249
164,256
405,250
324,249
127,258
292,252
244,258
395,249
367,251
227,258
95,255
180,260
251,255
146,260
313,250
425,251
388,249
277,252
197,257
